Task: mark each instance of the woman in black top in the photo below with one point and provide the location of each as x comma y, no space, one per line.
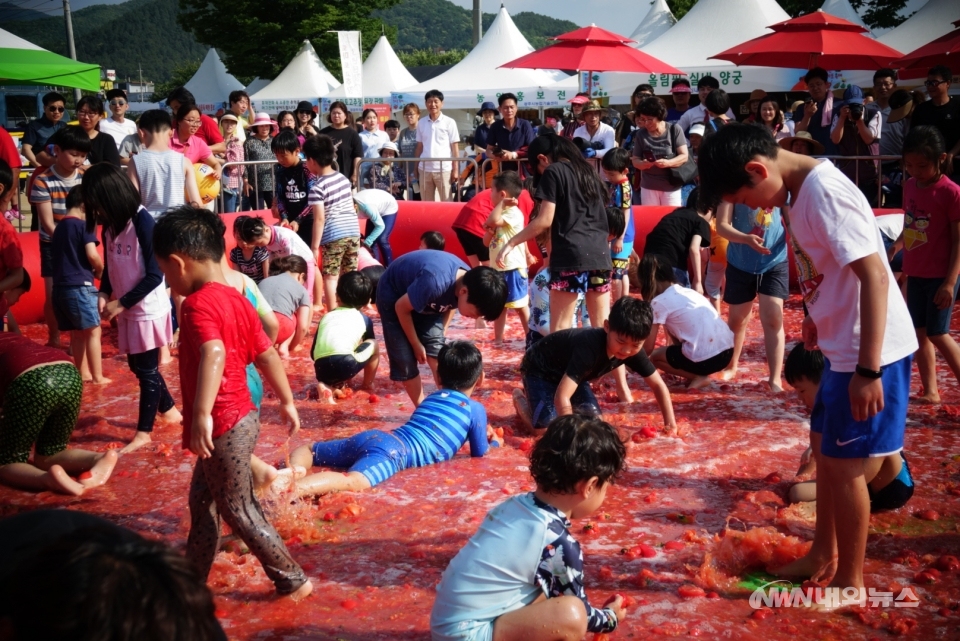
103,148
346,140
572,205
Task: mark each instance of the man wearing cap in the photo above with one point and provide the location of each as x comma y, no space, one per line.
510,136
598,137
680,91
942,112
576,106
692,116
856,132
488,112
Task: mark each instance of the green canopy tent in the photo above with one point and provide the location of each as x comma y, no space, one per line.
24,63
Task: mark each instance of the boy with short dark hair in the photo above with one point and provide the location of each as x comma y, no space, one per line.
220,334
858,318
292,184
520,576
678,238
49,196
416,298
616,165
504,222
433,240
436,431
557,369
345,344
164,177
117,125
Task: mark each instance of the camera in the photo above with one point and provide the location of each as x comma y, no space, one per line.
856,112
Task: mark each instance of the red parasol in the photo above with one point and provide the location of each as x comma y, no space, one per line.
817,39
945,50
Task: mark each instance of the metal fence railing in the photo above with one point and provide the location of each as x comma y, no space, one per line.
877,160
408,163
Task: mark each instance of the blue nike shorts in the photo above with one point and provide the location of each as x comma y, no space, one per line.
842,437
375,454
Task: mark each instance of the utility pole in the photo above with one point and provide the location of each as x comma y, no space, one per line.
477,22
140,69
71,47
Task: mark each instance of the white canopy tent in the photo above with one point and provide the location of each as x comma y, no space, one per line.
931,21
383,73
305,78
211,85
843,9
478,77
710,27
256,85
656,23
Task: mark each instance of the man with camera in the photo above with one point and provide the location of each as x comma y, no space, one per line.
856,132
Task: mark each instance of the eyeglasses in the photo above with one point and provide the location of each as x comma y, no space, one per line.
192,123
58,110
87,114
645,119
118,103
934,83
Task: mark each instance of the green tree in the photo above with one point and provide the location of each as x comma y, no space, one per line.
429,57
179,77
260,38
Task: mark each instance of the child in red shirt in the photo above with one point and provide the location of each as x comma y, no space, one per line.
220,334
11,254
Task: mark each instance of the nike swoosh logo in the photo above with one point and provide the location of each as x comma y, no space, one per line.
848,442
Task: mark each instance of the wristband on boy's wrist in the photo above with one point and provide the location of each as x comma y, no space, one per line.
872,374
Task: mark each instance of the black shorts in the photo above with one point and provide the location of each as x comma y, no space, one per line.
704,368
743,287
337,370
46,260
472,245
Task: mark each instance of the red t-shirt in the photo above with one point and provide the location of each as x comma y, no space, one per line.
18,354
217,312
929,212
476,211
11,256
209,132
8,150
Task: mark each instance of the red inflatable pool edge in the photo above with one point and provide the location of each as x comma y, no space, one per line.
413,219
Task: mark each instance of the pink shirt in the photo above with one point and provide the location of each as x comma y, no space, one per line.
929,213
194,149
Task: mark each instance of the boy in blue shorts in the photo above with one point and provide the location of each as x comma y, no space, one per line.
345,344
504,222
616,165
437,430
416,298
857,318
890,489
520,577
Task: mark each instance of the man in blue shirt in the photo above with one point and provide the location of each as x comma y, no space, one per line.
815,116
509,137
38,131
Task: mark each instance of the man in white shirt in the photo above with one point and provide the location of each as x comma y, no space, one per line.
697,114
437,137
116,125
599,136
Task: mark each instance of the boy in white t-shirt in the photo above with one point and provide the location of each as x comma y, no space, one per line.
505,222
857,318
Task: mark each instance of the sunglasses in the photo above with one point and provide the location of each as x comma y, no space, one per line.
934,83
118,103
58,110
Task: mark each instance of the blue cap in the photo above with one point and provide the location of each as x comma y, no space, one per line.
487,106
853,95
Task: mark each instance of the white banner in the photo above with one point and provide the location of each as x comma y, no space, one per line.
351,63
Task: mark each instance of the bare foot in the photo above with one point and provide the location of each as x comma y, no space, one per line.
728,374
339,393
59,481
302,592
263,474
101,470
928,399
325,394
284,352
316,309
522,406
285,479
165,357
141,439
172,415
498,342
699,382
810,566
775,387
103,380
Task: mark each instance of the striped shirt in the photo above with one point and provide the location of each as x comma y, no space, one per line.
340,220
441,425
253,266
161,177
51,187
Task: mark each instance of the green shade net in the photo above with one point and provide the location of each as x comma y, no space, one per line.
24,63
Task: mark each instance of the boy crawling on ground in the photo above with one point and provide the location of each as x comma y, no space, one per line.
521,575
439,427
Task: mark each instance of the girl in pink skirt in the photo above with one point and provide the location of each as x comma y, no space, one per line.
132,276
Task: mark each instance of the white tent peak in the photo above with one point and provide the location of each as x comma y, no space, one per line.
658,19
11,41
256,85
843,9
479,70
211,85
712,26
383,73
931,21
305,78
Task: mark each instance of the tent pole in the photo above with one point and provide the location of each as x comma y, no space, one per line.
71,47
477,22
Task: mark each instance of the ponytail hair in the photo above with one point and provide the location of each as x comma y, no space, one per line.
249,228
653,270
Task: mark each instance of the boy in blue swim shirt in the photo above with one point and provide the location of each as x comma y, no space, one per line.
435,432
